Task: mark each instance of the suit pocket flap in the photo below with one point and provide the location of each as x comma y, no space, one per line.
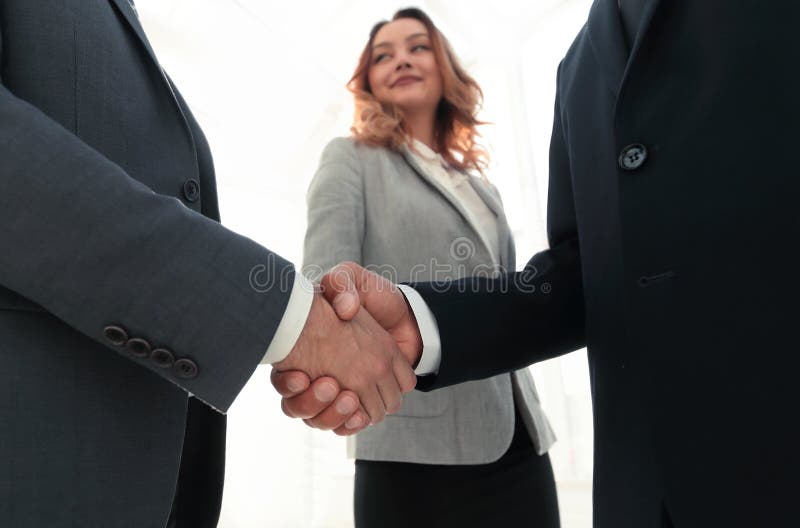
424,404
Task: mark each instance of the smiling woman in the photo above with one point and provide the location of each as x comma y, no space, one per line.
403,195
408,82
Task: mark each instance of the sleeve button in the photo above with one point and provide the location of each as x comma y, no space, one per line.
116,335
138,347
162,358
185,368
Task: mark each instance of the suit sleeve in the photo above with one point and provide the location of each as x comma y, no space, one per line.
336,210
96,248
490,326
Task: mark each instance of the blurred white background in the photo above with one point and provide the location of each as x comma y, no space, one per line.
266,80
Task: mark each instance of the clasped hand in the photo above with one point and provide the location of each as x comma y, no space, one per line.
353,360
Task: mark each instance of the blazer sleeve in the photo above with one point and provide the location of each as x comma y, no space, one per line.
490,326
94,247
336,210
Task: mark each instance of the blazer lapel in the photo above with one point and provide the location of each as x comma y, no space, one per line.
607,39
454,201
503,229
488,198
439,187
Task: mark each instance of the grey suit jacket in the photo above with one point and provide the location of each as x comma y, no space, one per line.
120,293
377,207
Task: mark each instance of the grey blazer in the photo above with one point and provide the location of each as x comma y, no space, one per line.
377,207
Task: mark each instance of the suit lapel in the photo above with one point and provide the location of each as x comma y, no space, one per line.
607,39
647,16
127,11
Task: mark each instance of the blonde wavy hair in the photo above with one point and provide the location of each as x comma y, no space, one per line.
455,134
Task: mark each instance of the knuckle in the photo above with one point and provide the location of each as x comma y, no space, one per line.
381,369
360,385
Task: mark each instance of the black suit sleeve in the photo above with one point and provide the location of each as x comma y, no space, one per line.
491,326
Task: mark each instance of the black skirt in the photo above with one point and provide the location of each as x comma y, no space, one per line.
516,490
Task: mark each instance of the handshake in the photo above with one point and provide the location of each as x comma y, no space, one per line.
354,358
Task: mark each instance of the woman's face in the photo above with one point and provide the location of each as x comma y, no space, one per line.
403,70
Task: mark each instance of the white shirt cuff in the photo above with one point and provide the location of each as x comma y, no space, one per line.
293,321
428,329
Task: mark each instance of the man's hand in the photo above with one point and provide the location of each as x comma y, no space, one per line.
359,354
348,287
320,404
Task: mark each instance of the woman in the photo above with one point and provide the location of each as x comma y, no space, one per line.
398,195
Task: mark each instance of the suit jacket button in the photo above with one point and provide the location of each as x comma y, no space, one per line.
632,157
162,358
185,368
191,190
116,335
138,347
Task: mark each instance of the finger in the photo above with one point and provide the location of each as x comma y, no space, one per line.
335,416
339,288
373,403
290,382
404,374
378,295
391,394
356,423
308,404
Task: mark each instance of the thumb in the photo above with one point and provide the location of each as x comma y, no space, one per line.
339,288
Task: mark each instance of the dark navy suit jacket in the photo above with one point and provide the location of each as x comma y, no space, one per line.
672,218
